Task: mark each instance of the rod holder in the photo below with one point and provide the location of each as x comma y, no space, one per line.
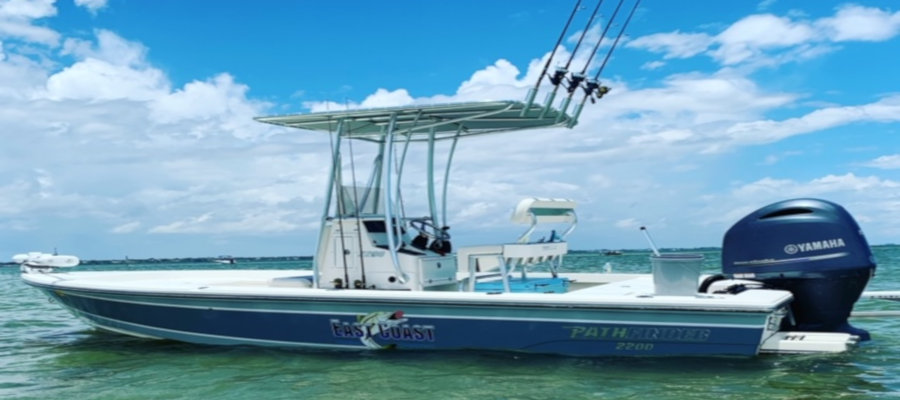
529,100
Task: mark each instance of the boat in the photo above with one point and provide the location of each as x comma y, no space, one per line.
39,260
225,260
382,278
386,274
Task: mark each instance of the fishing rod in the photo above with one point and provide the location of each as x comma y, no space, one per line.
560,73
594,84
340,208
357,284
576,79
533,92
557,77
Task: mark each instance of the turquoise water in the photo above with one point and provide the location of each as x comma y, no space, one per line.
45,353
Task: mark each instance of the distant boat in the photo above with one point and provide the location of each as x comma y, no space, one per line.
612,253
225,260
38,260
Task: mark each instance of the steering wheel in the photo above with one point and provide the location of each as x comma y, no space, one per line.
427,228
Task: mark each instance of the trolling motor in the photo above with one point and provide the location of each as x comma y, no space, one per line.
812,248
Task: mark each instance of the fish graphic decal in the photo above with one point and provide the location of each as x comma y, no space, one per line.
373,324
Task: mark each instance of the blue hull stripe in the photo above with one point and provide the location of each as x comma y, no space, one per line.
465,317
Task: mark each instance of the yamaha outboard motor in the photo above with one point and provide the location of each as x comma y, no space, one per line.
812,248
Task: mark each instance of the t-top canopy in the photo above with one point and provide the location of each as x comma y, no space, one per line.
446,120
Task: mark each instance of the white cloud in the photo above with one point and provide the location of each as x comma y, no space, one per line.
873,201
215,106
765,4
126,227
494,80
110,48
674,44
754,34
854,22
91,5
189,225
767,40
266,221
123,150
386,98
764,131
652,65
105,141
20,76
25,30
885,162
94,79
628,223
697,99
848,189
17,21
27,9
498,81
111,69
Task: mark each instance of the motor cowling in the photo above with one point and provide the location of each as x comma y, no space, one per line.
810,247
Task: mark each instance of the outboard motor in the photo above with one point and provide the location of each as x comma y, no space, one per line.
812,248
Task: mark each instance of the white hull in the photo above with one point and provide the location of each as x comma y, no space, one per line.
603,314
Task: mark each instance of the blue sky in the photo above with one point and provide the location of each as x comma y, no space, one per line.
126,126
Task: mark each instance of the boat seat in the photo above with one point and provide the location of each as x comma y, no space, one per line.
537,211
524,252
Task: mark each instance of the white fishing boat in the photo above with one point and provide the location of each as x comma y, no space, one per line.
385,278
225,260
381,278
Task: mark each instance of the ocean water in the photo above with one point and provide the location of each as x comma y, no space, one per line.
45,353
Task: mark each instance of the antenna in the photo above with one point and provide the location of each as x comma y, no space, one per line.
649,239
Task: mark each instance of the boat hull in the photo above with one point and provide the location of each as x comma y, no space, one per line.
325,319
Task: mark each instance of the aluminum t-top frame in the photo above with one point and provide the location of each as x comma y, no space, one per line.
425,123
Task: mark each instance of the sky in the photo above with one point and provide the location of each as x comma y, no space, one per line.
126,127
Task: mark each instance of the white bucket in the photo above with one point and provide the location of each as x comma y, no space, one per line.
676,274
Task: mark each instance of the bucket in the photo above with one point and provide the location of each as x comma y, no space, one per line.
676,274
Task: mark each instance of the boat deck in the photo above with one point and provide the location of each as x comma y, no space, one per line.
598,289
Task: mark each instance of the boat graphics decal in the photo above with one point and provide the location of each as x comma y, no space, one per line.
638,333
383,325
